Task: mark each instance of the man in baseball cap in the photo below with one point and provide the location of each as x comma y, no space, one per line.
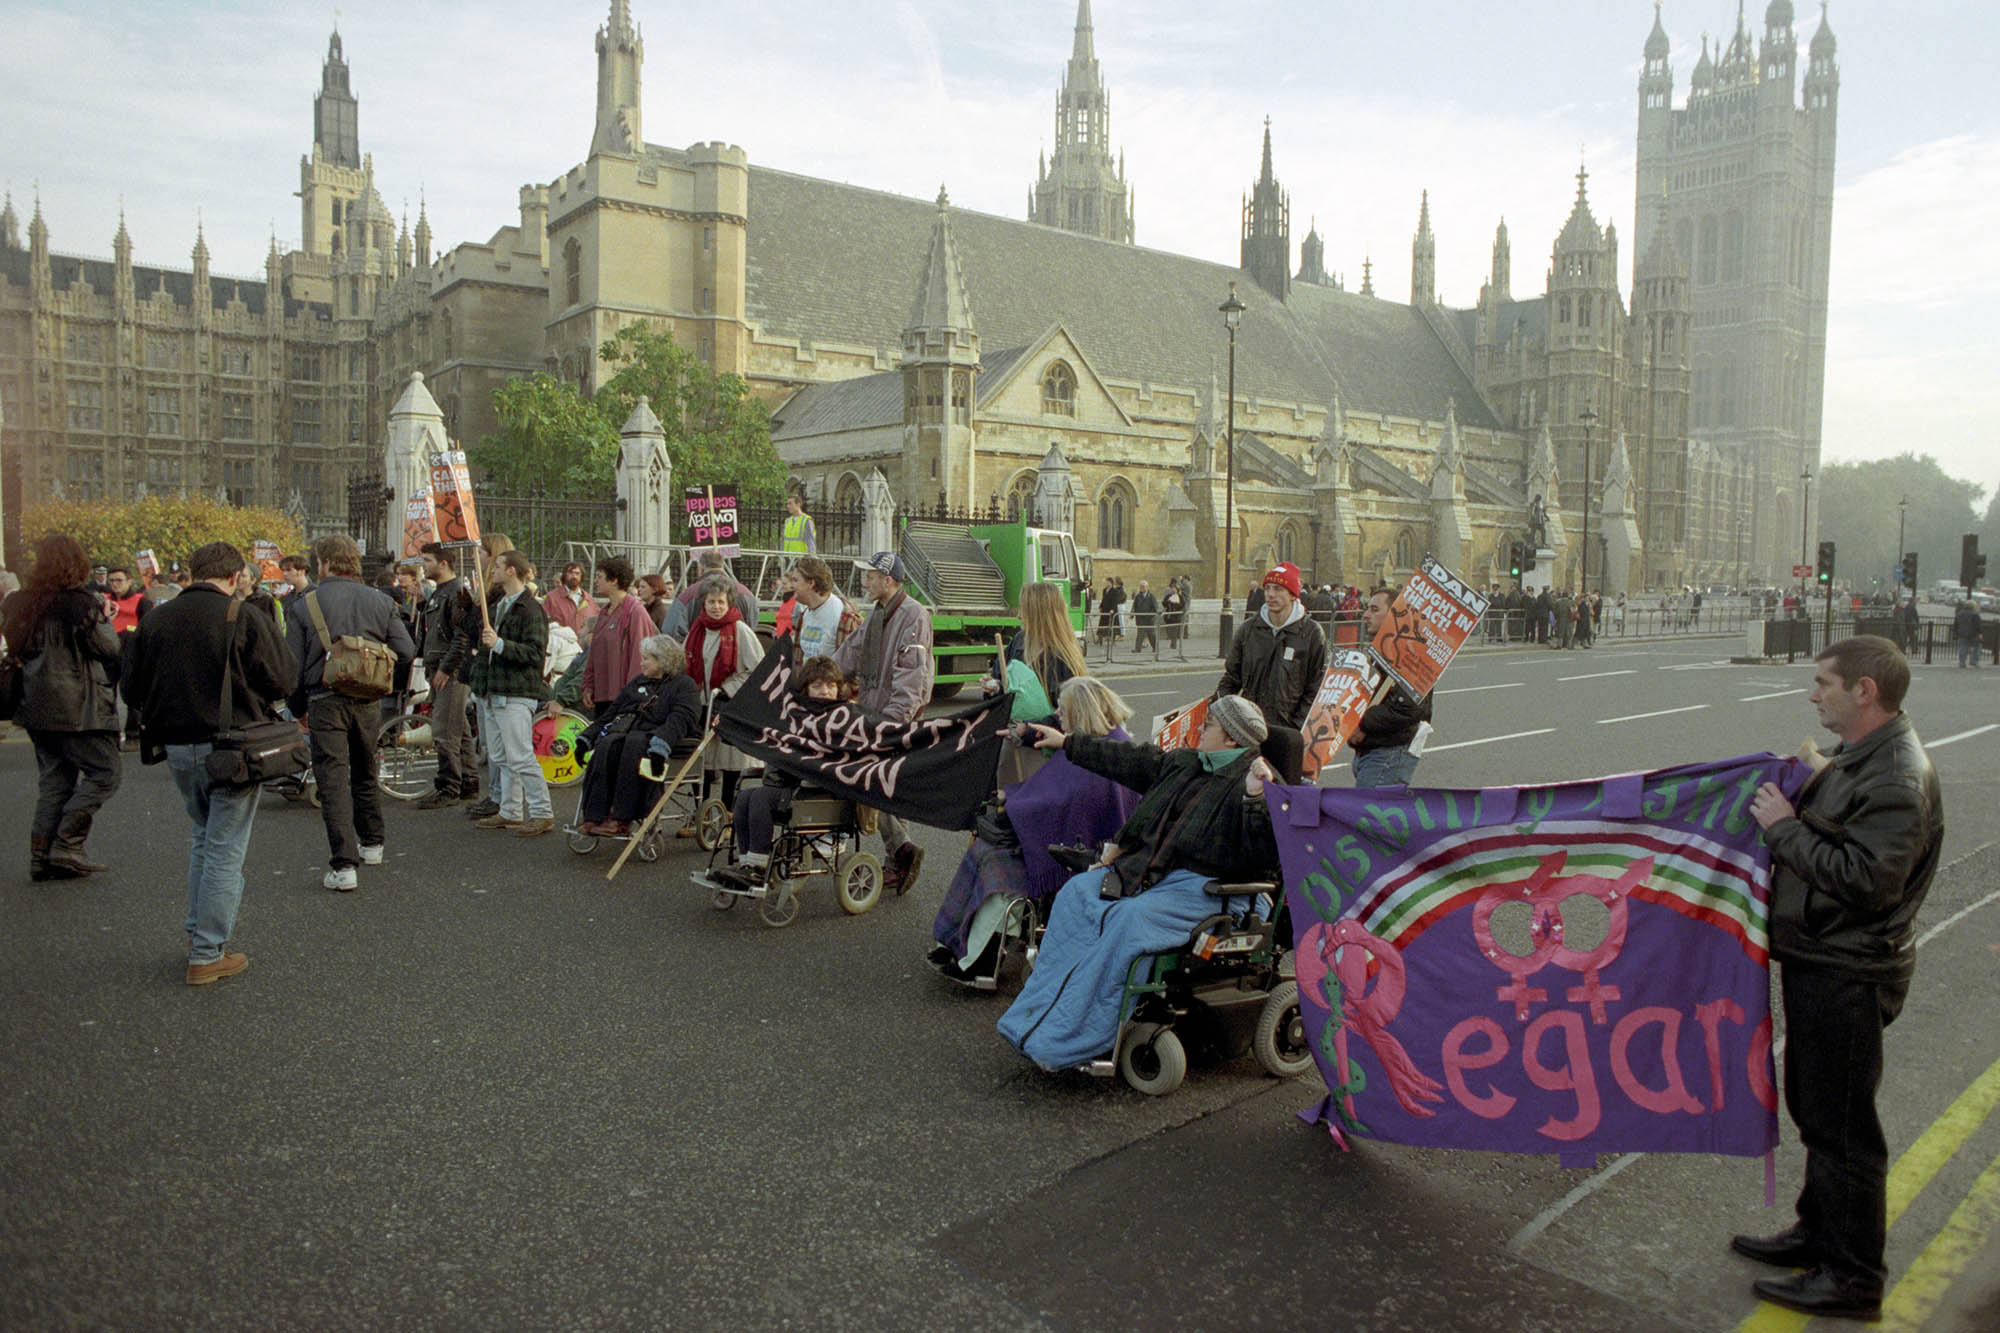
1279,654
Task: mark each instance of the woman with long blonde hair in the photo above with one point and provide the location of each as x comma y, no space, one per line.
1046,645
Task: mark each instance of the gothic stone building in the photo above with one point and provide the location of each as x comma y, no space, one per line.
962,353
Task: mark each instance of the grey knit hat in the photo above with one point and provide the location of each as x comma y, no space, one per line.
1241,719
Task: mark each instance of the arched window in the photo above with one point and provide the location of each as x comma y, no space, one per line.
573,272
1059,390
1287,545
1021,497
444,334
961,397
1116,509
1406,550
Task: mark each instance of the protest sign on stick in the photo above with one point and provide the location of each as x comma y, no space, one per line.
267,555
1344,695
1427,624
419,525
455,519
712,516
1181,729
148,563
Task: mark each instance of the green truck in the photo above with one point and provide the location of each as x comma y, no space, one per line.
971,579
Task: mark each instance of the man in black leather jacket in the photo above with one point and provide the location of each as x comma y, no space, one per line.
1850,867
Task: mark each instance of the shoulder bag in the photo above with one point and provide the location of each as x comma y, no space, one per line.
259,751
356,667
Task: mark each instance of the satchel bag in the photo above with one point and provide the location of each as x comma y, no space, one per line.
356,667
260,751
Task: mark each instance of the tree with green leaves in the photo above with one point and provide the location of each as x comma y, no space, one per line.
1857,510
716,430
550,437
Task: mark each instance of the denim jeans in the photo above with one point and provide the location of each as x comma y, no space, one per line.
221,819
1391,766
489,732
512,742
1968,644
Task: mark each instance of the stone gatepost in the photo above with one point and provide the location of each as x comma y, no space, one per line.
416,431
645,479
878,514
1054,503
1622,543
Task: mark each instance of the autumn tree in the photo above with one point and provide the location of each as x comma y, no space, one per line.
171,528
716,430
551,438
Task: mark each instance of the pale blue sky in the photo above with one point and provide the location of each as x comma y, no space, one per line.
183,107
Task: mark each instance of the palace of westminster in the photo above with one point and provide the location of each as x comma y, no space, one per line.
971,357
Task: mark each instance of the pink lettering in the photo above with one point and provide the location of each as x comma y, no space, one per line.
1575,1077
1760,1066
1674,1096
1710,1017
1493,1104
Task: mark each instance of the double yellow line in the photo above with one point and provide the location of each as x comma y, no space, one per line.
1920,1290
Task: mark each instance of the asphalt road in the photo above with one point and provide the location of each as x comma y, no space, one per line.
489,1090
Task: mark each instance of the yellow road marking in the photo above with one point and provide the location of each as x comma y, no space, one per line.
1907,1178
1917,1295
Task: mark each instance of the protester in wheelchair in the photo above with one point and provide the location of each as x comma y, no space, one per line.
1009,858
657,710
1201,819
820,684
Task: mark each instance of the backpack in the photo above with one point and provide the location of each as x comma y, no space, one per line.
356,667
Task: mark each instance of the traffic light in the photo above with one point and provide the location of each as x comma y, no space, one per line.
1910,570
1528,556
1826,564
1971,564
1514,560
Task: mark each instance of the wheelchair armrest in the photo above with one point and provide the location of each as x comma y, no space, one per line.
1217,889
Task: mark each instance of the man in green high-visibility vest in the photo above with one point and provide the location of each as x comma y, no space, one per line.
798,537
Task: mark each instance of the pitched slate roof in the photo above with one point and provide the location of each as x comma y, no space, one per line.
868,400
830,262
66,271
1530,314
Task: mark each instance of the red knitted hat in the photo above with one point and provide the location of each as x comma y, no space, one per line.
1285,576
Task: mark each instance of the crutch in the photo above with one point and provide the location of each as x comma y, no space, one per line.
653,815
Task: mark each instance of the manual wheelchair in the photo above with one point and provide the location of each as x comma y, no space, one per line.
813,834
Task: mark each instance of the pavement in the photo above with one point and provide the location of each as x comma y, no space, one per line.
490,1089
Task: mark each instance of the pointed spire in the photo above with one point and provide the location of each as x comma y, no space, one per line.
10,225
1264,177
1367,275
1085,47
121,244
942,314
1424,217
621,19
200,243
1657,46
1823,44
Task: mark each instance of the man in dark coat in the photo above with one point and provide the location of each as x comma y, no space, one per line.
1146,620
1278,655
174,677
1850,868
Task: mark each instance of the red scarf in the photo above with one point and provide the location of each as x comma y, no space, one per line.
725,651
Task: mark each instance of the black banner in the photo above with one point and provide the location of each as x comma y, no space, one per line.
936,771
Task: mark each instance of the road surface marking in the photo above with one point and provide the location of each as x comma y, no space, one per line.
1962,736
1595,675
1511,736
1663,712
1928,1280
1753,698
1543,1220
1474,689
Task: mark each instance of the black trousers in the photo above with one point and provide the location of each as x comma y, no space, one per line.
343,732
612,786
79,771
457,747
1833,1064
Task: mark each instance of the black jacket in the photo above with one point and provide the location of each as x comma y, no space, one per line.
350,607
514,666
174,677
445,613
1391,721
1187,817
70,658
668,709
1850,872
1279,670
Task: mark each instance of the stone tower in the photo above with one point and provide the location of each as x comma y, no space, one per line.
1655,423
1081,186
347,236
1267,229
1423,258
1312,258
1503,264
1746,168
1584,318
940,366
620,52
336,131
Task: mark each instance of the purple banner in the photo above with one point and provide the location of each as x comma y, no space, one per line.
1576,969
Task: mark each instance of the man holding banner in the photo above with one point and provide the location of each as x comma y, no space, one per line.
1851,864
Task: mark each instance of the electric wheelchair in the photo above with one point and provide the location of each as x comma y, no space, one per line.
813,835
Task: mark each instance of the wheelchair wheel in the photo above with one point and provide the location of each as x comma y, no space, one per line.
651,846
722,902
1280,1043
583,844
1151,1059
406,758
858,884
710,823
780,906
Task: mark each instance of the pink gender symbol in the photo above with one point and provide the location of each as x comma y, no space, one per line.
1547,938
1614,894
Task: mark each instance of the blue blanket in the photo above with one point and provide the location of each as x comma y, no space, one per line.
1067,1013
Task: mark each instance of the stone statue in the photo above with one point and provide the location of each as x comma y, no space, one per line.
1538,523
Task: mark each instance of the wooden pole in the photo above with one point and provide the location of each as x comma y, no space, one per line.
653,815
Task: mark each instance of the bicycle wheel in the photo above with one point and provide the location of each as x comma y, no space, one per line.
406,758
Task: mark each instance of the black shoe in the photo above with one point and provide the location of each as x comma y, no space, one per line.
438,800
1821,1291
1787,1249
901,875
482,809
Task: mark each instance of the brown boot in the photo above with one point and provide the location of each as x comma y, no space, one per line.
38,861
66,850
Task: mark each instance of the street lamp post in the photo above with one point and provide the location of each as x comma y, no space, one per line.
1232,315
1902,514
1805,521
1589,418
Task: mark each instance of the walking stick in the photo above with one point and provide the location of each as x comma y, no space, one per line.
653,815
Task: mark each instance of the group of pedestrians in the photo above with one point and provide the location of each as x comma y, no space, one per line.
1155,618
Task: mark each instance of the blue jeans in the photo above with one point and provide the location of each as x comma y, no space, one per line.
1968,644
221,818
511,741
1391,766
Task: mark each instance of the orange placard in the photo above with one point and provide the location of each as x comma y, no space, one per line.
148,564
451,498
1428,623
419,526
1181,729
267,555
1344,695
